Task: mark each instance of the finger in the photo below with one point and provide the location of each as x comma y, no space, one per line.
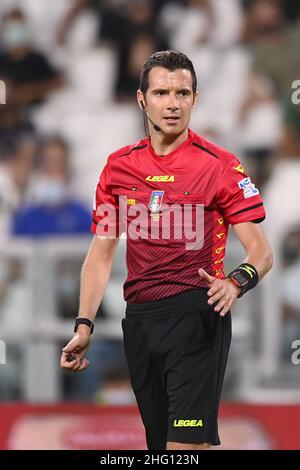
77,366
220,305
224,305
204,275
217,296
71,356
225,310
216,286
71,346
84,365
227,306
68,360
65,364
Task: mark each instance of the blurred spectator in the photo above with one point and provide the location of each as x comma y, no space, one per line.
291,9
116,388
28,72
189,26
51,208
110,14
273,43
14,180
137,41
196,23
131,27
15,125
290,145
107,364
260,126
290,289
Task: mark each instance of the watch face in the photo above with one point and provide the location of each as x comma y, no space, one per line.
243,281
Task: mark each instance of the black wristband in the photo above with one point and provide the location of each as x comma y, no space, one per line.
245,276
83,321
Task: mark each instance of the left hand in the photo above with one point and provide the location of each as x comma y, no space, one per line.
73,354
222,291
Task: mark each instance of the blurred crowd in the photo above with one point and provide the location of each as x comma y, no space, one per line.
71,70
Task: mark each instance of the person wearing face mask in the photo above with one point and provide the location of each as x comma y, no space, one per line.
29,73
51,209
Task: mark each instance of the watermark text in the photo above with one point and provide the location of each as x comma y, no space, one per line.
296,93
171,222
2,352
2,92
296,354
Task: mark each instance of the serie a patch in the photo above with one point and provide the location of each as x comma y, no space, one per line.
249,189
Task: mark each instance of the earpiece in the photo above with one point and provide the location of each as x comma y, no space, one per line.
155,126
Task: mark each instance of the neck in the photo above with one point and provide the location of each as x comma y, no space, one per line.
164,144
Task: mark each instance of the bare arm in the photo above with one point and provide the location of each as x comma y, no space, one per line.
258,253
95,275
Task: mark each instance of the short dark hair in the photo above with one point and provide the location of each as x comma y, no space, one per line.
171,60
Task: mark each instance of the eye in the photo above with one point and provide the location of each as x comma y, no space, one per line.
184,92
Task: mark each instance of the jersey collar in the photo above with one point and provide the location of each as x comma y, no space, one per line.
177,151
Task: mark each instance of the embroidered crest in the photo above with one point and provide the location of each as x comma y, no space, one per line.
156,201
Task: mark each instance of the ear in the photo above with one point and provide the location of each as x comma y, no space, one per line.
195,98
140,100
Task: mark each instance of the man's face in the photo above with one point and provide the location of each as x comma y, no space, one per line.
169,99
54,161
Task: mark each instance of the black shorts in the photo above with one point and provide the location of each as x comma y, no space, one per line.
176,349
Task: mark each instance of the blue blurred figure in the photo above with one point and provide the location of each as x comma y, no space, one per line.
51,209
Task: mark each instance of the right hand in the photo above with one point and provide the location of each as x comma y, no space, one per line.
73,353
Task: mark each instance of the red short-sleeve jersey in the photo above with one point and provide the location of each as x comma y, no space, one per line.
175,211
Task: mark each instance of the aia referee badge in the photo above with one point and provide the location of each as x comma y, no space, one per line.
155,203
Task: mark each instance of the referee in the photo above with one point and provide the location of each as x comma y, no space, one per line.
177,327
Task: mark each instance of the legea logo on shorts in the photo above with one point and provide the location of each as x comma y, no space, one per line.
193,423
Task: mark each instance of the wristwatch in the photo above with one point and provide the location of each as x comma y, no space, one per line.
240,281
83,321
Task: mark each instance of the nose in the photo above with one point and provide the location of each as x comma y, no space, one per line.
173,103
